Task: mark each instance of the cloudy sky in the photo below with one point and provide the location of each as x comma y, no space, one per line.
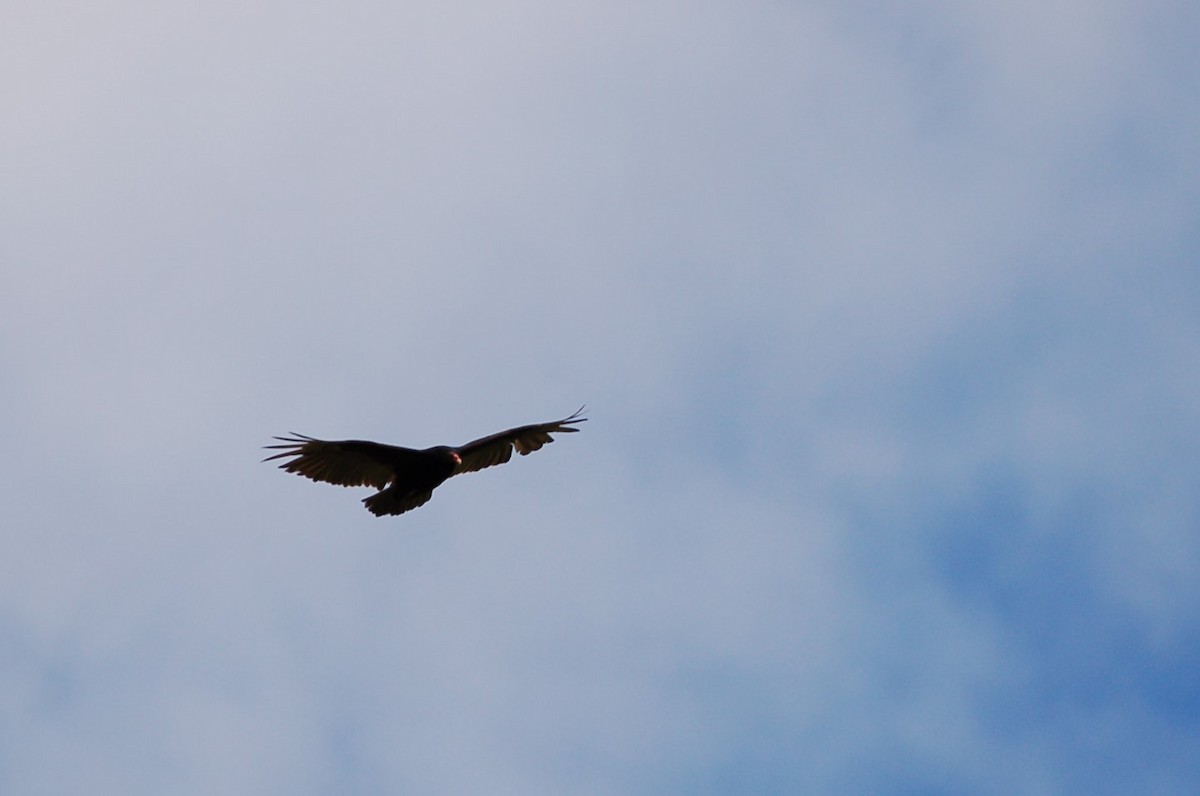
885,316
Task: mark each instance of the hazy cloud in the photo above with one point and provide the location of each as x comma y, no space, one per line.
886,323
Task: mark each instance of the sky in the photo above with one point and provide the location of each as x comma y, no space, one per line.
884,315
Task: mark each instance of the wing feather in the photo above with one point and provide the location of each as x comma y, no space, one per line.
345,463
497,448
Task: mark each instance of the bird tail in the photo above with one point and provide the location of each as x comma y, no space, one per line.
392,501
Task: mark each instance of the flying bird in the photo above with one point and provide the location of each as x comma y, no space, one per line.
406,477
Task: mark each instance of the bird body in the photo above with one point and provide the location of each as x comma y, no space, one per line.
406,477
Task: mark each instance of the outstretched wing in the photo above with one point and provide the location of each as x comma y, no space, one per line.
498,448
347,463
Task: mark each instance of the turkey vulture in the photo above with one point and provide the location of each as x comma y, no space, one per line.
406,477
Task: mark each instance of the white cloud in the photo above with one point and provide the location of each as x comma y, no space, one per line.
870,311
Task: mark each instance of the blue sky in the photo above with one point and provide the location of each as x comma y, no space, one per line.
886,321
